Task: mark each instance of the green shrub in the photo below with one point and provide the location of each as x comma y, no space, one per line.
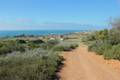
99,47
58,48
10,46
108,54
34,44
21,41
105,42
113,53
62,48
65,47
95,47
114,37
53,42
73,46
35,64
38,41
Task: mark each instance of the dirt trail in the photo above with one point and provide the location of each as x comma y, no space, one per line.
83,65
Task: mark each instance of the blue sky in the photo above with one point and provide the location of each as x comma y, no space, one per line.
56,14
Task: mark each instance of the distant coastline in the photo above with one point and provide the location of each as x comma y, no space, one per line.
11,33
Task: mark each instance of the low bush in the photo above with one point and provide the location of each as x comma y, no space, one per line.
113,53
99,47
38,41
32,65
53,42
58,48
73,46
10,46
105,42
20,41
65,47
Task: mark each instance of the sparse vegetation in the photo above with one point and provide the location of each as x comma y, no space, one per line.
105,42
22,59
36,64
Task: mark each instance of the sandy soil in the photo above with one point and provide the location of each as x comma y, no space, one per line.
83,65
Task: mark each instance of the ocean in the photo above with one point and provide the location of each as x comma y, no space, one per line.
36,32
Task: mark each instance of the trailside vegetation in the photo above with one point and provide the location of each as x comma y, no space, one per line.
35,59
105,42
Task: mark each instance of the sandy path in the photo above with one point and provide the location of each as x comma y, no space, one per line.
83,65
